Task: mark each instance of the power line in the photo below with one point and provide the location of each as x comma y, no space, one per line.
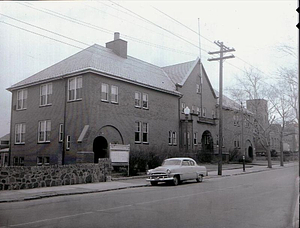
99,54
105,30
155,24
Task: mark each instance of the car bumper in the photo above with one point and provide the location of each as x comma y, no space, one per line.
159,179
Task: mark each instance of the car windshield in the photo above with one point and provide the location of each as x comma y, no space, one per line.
171,162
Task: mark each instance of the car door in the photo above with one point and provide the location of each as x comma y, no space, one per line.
185,170
193,167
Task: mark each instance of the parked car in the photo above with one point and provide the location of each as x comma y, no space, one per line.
176,170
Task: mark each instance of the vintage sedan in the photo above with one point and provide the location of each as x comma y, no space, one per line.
176,170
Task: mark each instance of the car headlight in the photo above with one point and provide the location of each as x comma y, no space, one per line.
168,171
148,172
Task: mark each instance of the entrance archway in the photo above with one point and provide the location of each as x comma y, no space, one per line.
207,147
250,152
100,148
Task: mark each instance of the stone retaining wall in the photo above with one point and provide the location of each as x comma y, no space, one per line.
25,177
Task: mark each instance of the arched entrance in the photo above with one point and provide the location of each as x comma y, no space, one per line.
207,147
100,148
250,152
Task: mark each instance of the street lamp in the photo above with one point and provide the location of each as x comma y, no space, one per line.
186,112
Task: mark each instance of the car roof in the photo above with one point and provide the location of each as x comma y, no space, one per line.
181,158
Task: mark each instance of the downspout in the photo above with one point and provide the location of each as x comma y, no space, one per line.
64,122
179,107
11,135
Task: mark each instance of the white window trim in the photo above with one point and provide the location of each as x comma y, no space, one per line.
23,106
48,92
170,139
61,133
112,95
107,92
75,90
139,99
45,122
139,130
19,130
68,142
174,138
147,100
195,141
145,132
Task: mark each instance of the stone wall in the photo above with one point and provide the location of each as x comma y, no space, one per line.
25,177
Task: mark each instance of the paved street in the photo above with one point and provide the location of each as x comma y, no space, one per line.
259,199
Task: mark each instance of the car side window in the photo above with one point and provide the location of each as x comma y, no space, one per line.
185,163
192,163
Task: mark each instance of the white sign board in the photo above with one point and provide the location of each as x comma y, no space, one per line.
119,153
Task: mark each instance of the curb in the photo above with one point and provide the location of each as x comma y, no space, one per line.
69,194
126,187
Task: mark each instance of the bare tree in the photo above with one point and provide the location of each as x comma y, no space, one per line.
251,86
279,98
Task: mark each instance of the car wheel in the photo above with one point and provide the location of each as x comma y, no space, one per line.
175,180
154,183
199,178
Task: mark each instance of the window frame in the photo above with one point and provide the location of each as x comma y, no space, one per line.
137,100
22,100
195,140
137,132
145,133
174,138
170,138
145,101
61,133
113,96
20,129
77,90
46,132
104,85
48,94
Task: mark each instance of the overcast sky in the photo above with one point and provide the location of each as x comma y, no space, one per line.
35,35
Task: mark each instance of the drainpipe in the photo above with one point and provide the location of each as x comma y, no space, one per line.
64,122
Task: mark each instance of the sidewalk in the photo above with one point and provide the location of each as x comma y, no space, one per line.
120,183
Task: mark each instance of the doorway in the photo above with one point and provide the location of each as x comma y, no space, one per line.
100,148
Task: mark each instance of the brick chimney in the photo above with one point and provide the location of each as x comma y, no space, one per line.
118,46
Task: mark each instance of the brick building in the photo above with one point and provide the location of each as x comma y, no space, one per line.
77,107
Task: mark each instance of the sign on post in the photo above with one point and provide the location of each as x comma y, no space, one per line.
119,155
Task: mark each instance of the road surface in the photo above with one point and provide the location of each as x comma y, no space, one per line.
264,199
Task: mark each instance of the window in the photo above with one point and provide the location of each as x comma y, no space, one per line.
195,139
75,89
213,114
44,131
45,94
137,136
46,160
170,137
198,110
16,161
204,112
145,132
39,160
104,92
61,133
182,107
193,109
21,161
114,94
145,100
68,143
22,99
174,138
20,130
198,88
137,99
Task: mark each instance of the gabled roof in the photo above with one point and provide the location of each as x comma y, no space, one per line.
179,73
102,60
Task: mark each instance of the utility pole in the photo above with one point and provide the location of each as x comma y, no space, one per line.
223,49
